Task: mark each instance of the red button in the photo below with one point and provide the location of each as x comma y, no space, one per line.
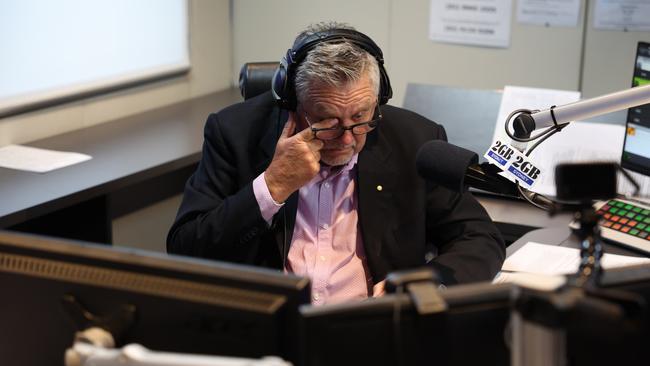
624,220
632,223
607,224
607,215
616,226
615,218
625,229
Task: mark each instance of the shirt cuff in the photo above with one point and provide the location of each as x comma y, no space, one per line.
268,207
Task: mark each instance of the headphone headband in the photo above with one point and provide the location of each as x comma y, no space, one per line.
283,86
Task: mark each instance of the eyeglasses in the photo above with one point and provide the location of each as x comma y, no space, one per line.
331,133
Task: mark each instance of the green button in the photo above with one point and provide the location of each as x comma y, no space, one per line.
646,220
645,212
620,204
622,212
634,231
639,217
613,210
628,207
637,209
641,226
647,229
612,202
631,215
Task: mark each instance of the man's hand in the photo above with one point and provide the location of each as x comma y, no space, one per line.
295,162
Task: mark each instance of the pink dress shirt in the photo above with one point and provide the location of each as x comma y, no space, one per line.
326,244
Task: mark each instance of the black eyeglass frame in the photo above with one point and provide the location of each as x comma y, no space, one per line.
373,123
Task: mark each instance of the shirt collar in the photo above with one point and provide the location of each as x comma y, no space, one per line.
329,172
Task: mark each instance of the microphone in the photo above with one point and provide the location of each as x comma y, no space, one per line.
525,123
457,169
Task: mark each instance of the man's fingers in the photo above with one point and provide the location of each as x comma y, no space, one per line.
306,135
316,145
288,129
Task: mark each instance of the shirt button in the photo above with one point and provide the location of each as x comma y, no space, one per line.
316,297
324,226
327,185
322,257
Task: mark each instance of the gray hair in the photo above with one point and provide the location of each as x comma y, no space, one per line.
333,63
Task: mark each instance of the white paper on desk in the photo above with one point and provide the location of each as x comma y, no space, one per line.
37,160
531,280
554,260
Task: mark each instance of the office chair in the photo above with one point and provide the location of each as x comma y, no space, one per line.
255,78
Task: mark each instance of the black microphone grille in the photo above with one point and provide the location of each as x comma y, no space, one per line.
445,164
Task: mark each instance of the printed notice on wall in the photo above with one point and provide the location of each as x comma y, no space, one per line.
550,13
625,15
478,22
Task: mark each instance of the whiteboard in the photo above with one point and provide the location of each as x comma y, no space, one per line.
57,49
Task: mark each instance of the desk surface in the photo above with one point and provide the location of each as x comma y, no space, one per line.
521,213
562,236
124,152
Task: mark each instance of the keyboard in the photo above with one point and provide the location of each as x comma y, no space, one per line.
624,222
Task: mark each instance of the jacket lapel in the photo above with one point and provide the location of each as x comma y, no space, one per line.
376,182
266,146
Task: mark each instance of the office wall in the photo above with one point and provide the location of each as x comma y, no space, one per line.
609,59
210,45
264,30
529,61
538,56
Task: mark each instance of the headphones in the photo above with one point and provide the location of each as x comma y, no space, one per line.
282,83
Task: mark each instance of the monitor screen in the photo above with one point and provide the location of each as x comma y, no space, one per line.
181,304
636,149
389,331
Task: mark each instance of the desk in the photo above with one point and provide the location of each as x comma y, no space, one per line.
140,160
136,161
515,218
562,236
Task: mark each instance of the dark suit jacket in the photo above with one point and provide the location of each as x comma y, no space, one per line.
219,217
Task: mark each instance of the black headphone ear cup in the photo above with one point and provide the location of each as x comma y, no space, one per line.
385,91
281,84
278,84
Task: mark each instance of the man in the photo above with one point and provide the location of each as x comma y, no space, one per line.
327,187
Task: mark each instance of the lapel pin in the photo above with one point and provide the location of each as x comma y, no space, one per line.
379,188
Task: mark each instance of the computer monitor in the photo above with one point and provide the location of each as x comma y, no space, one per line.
475,329
181,304
636,148
598,341
389,330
